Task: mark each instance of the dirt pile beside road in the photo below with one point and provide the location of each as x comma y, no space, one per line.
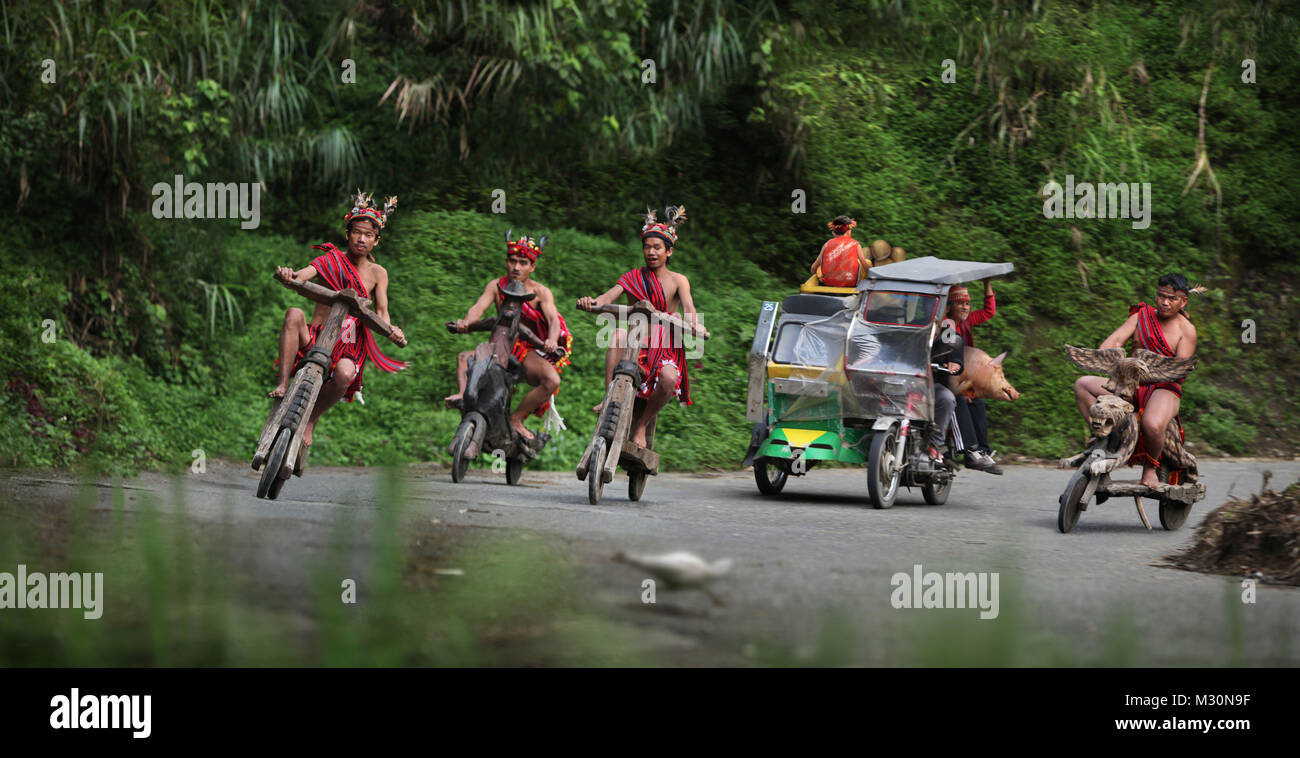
1257,538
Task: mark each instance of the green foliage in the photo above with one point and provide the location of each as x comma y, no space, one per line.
569,74
167,328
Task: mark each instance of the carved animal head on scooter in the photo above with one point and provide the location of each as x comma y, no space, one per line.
515,292
513,295
1106,414
1124,373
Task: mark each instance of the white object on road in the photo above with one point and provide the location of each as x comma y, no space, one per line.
678,569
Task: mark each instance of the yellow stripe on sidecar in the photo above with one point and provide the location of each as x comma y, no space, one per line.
801,437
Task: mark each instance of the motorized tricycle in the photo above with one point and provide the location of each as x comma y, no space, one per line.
491,375
844,374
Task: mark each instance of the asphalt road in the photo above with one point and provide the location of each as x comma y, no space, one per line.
814,566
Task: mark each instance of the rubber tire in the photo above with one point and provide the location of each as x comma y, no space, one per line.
274,462
1071,500
464,433
882,445
636,484
1173,514
597,462
276,486
514,470
936,495
763,478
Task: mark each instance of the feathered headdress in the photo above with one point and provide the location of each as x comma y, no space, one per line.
363,206
841,224
525,246
665,230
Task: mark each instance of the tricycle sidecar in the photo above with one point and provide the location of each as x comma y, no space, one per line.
847,378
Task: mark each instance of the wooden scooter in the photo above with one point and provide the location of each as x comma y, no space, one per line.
1114,424
489,387
280,452
611,445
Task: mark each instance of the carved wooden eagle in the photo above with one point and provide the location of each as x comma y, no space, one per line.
1111,418
1124,374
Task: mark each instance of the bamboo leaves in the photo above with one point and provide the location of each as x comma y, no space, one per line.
128,63
538,66
219,299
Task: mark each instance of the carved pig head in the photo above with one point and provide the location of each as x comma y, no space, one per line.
982,377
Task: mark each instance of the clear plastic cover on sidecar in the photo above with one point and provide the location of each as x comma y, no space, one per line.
851,367
888,370
813,348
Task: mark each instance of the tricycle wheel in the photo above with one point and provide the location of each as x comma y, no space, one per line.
883,472
514,470
594,466
270,483
464,433
936,494
1173,513
770,477
636,484
1071,500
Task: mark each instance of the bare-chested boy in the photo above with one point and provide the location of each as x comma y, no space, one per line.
356,269
541,367
662,364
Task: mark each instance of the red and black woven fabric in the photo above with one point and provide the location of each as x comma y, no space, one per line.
536,320
355,341
1151,336
642,284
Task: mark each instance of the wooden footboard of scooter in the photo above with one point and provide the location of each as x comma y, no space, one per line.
635,456
1189,493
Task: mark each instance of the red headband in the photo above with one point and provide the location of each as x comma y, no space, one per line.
524,246
958,294
364,207
664,230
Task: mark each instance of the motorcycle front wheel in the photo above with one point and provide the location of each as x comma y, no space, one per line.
883,471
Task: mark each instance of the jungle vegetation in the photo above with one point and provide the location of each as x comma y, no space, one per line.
132,341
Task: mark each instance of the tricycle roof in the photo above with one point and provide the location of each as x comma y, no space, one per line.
937,271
